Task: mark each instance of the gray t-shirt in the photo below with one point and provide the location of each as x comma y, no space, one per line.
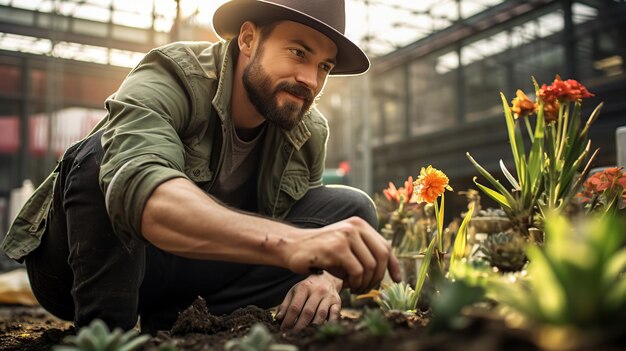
236,182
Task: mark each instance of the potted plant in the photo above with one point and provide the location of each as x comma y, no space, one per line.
545,178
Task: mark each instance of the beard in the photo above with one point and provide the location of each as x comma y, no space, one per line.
258,85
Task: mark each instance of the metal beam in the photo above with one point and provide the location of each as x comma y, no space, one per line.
65,28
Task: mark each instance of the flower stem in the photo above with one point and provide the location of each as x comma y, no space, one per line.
563,137
529,129
439,224
559,123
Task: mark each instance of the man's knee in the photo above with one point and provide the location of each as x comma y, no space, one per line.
359,204
330,204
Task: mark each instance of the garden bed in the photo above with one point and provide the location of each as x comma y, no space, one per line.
31,328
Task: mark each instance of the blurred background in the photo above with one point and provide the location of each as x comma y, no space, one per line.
431,95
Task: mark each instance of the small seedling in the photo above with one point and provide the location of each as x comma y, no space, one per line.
375,322
97,337
258,339
330,331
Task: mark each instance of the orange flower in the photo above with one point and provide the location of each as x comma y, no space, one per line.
568,90
522,106
430,184
551,111
402,194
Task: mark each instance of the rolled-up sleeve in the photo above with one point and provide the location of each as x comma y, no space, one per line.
142,147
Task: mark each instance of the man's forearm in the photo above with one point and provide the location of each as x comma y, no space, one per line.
181,219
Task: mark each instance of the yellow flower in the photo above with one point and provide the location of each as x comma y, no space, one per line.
522,106
430,184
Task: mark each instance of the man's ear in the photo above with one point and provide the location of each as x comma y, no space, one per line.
248,35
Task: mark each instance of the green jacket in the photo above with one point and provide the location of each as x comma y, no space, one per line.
167,121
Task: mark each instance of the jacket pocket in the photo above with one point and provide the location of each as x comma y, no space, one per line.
29,226
292,188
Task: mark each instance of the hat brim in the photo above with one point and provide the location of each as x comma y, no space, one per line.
229,17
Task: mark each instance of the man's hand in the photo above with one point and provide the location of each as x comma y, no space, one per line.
313,300
350,250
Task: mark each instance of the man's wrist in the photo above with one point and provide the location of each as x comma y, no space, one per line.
337,283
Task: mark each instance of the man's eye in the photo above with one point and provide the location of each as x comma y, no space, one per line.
326,67
297,52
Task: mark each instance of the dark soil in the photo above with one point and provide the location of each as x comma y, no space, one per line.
32,329
197,330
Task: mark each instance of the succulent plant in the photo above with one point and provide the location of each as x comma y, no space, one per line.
575,289
505,251
258,339
376,322
97,337
329,331
396,296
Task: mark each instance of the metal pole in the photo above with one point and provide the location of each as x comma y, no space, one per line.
24,157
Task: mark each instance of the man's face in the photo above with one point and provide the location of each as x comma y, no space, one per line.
287,71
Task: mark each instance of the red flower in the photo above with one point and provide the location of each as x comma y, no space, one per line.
612,179
568,90
400,195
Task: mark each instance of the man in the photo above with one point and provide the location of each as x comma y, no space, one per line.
205,179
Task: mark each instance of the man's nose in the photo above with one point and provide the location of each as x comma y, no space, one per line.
307,75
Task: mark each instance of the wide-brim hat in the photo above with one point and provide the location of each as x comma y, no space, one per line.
325,16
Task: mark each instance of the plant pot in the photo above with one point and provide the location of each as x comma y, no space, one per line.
480,227
536,235
489,225
411,263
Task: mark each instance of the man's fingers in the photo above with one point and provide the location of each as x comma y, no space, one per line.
328,310
293,310
394,268
282,309
382,252
366,259
334,312
308,312
354,269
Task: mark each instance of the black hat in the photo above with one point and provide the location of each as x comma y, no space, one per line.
325,16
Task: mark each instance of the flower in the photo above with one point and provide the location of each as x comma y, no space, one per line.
430,184
568,90
403,194
522,106
551,111
609,182
548,174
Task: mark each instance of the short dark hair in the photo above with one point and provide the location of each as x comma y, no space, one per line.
266,29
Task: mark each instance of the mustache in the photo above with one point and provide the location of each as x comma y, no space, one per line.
297,90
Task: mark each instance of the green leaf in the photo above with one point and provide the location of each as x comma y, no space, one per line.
440,222
509,200
616,297
515,137
136,342
421,277
615,266
592,118
553,300
496,196
509,176
458,250
535,162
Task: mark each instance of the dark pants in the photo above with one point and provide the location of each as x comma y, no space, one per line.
81,270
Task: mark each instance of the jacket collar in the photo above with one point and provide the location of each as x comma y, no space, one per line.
221,102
